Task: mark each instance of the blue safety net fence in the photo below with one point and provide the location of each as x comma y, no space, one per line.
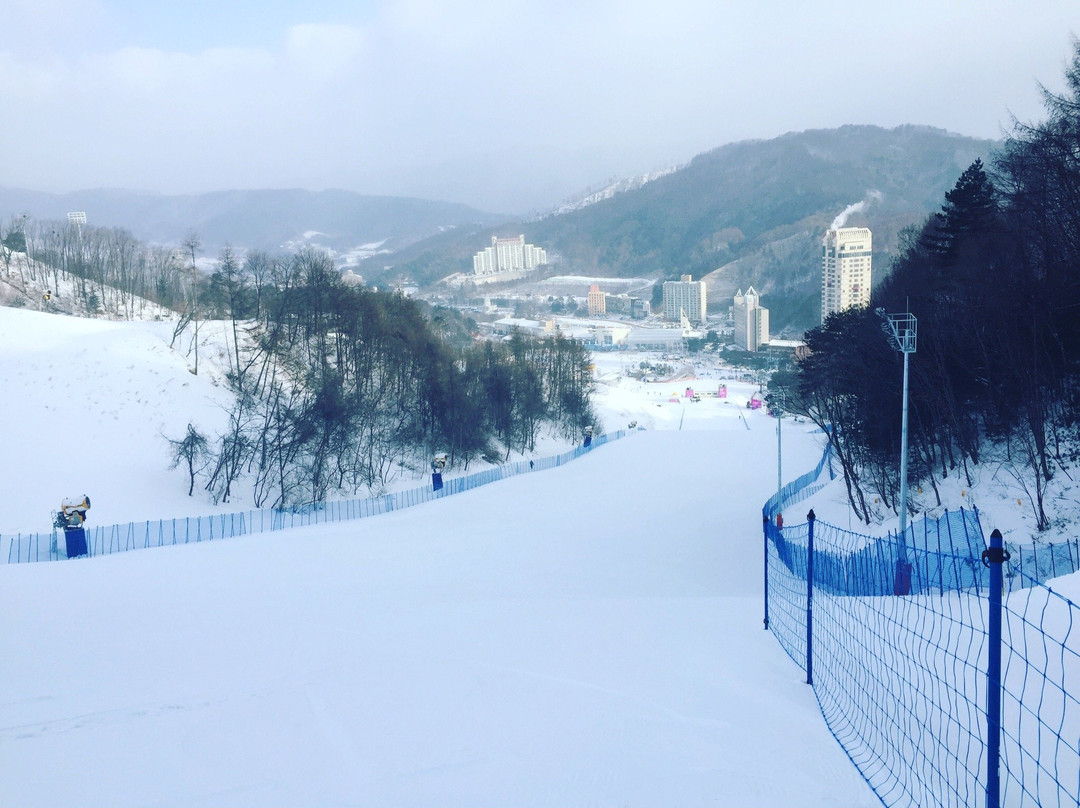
802,487
104,540
903,680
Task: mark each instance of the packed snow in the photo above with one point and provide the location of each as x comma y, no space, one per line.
589,635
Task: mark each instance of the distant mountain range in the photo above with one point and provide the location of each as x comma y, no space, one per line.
272,220
747,213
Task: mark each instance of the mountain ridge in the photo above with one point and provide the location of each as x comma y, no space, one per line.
732,204
749,212
265,219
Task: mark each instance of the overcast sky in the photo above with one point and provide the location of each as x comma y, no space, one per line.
510,105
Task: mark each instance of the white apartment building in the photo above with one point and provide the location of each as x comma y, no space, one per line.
751,321
685,296
507,255
845,269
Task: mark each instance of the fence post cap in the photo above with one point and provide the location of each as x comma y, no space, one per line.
810,516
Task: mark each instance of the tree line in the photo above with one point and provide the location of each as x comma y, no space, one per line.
340,389
994,281
106,269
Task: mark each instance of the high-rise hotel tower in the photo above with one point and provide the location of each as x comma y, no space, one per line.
845,269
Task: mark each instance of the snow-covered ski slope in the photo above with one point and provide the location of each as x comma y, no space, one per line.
590,635
585,636
86,407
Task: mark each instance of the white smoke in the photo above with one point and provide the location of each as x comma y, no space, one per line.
858,207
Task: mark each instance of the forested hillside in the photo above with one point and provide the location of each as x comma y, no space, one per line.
339,389
750,212
993,279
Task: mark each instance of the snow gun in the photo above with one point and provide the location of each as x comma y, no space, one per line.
72,512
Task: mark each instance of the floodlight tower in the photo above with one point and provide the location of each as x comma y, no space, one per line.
77,218
901,329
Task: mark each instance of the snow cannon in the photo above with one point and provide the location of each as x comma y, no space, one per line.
71,517
72,512
438,463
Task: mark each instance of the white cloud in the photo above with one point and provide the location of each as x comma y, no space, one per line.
510,93
325,52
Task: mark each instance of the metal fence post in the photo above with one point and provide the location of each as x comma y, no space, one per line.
810,517
993,558
765,531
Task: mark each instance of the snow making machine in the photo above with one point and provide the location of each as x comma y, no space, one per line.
438,464
70,518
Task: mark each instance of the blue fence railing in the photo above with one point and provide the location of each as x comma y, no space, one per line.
802,487
108,539
907,682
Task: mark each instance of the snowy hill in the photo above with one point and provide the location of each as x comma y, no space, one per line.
591,197
586,635
87,408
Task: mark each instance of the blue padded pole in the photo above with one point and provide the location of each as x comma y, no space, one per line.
810,597
765,531
994,558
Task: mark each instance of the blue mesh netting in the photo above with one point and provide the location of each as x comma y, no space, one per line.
108,539
902,679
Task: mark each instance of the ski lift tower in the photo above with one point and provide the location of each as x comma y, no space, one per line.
901,330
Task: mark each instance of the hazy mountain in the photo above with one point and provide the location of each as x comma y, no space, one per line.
268,219
748,213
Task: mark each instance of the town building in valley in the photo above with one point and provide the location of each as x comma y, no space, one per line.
685,296
751,321
508,255
845,269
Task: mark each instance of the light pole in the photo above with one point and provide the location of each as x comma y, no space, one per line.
777,400
901,330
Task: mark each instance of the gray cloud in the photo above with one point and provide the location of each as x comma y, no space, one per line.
507,106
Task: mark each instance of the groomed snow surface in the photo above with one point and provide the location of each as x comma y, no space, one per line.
586,636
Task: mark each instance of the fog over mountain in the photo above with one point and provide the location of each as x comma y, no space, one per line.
273,220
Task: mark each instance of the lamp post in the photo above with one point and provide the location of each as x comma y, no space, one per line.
901,330
777,401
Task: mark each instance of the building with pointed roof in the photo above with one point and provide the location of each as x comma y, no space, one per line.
751,321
